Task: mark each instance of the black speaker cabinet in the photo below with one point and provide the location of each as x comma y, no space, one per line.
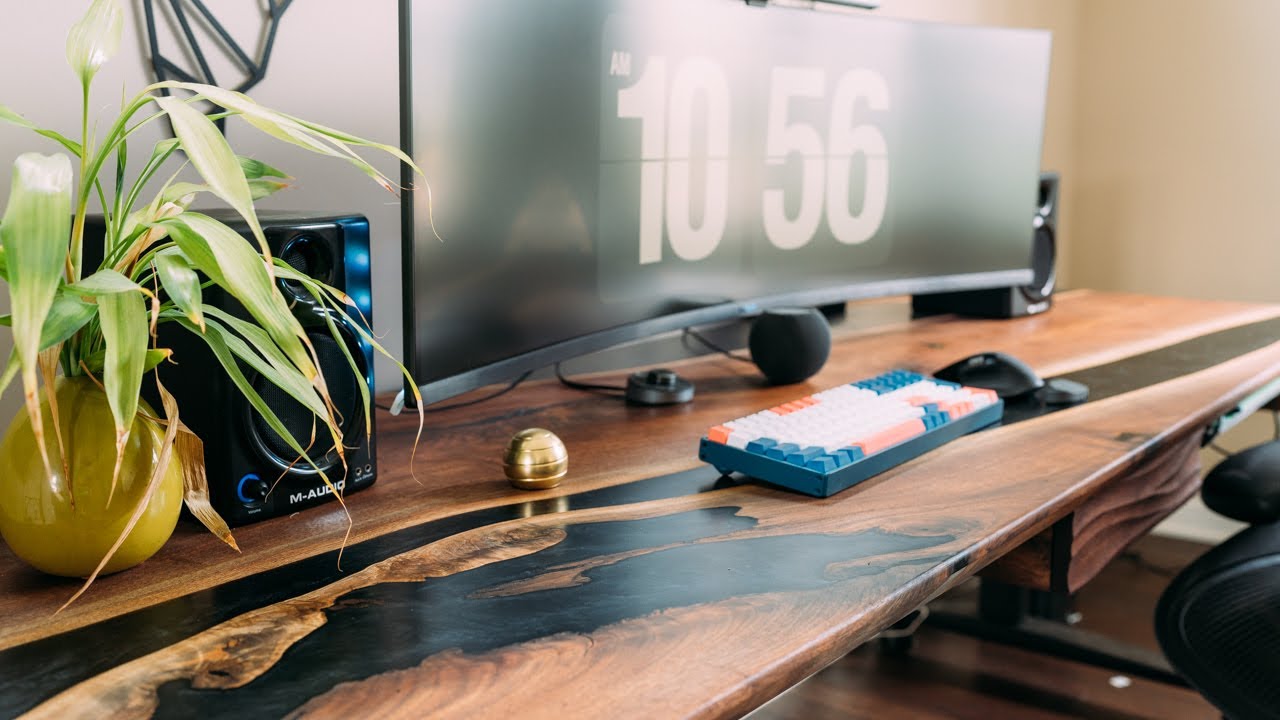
243,455
1011,301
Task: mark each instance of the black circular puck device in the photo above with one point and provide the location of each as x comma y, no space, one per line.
658,387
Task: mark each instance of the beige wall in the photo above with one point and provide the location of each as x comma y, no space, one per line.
1177,151
1177,148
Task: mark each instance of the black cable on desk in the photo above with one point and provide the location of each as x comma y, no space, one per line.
690,332
467,403
589,387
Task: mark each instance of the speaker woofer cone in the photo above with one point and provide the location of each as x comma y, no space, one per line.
344,391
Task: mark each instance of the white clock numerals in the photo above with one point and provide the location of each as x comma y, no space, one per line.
849,140
666,148
786,138
665,101
826,169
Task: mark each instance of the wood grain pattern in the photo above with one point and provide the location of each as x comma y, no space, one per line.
459,465
1121,511
1130,506
1030,565
948,675
685,603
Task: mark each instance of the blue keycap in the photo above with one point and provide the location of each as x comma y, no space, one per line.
780,452
854,454
802,457
840,458
760,445
822,464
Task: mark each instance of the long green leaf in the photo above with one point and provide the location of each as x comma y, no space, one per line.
36,234
215,337
13,118
159,154
277,370
316,138
255,169
281,372
258,188
95,38
10,372
123,317
291,132
261,354
328,296
212,157
181,283
318,292
174,192
412,385
138,232
225,258
286,272
104,282
266,187
67,315
97,359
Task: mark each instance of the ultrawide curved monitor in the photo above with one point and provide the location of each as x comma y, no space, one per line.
605,170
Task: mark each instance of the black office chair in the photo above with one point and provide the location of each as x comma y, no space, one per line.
1219,621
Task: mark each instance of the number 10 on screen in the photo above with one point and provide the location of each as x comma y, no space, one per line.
666,99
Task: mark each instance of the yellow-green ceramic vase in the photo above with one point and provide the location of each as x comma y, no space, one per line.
64,526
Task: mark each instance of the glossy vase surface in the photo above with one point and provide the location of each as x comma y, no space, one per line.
63,524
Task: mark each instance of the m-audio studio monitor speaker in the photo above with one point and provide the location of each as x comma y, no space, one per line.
243,455
1013,301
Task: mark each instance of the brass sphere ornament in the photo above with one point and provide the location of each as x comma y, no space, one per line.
535,459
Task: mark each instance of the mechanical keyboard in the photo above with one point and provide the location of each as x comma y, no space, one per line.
823,443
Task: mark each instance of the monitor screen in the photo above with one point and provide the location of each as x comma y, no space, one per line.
602,170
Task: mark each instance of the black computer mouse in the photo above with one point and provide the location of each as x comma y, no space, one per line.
1007,375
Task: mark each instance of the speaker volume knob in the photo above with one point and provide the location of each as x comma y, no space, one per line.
663,378
252,489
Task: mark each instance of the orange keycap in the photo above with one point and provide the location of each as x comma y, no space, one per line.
957,409
891,436
719,434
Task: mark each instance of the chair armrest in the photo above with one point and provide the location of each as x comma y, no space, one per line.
1246,486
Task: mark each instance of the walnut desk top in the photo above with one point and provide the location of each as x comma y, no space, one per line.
642,586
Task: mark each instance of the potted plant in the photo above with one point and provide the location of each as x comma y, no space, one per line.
93,478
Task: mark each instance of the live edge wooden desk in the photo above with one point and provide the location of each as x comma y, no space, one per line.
640,587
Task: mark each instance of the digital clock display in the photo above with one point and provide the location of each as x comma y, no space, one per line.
595,163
